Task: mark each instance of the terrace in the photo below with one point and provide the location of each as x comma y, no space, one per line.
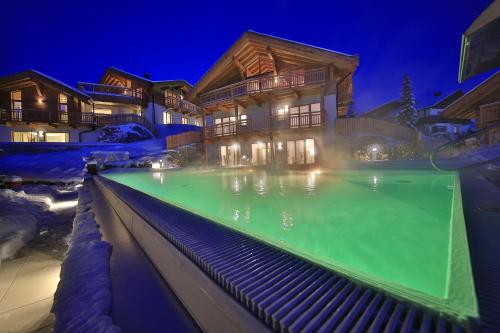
112,93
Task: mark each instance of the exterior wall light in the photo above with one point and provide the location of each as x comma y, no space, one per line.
40,100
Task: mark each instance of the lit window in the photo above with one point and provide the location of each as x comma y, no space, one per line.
103,111
197,122
167,118
316,107
63,103
185,120
243,119
16,100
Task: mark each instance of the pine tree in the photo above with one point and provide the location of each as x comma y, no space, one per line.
407,114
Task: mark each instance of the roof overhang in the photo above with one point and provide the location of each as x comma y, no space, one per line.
465,106
255,53
480,50
35,78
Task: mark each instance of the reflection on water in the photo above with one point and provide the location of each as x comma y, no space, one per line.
375,183
341,218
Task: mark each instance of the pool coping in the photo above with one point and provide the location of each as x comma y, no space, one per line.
356,308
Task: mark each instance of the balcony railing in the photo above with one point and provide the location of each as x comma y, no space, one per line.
290,122
292,79
72,118
175,101
34,116
105,89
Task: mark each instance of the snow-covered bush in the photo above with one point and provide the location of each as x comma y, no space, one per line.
124,134
83,298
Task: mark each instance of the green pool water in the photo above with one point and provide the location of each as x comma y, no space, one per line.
400,231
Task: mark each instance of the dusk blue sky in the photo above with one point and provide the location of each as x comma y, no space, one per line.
76,40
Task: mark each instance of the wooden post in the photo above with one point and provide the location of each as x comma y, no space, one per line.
271,128
236,118
205,147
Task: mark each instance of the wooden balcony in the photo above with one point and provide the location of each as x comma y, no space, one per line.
72,118
36,116
310,120
107,92
489,113
175,101
267,83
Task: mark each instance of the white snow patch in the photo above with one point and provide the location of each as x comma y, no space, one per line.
83,298
15,232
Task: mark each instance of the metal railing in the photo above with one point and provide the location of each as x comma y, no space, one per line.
106,89
292,79
470,151
356,126
289,122
175,101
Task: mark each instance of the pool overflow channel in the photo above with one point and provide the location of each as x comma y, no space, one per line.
283,292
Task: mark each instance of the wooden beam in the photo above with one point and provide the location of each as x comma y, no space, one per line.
243,70
255,100
273,59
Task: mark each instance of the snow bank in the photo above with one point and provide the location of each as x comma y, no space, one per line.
124,133
83,298
19,214
15,232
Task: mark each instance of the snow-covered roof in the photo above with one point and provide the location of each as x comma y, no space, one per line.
303,44
32,73
144,79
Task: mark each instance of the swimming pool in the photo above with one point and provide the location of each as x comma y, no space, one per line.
401,231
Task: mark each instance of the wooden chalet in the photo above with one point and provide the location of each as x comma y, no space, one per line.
271,100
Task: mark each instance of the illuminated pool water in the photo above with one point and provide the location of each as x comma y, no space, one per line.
402,231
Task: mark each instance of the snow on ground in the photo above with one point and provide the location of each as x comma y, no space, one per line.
19,216
65,162
124,133
83,298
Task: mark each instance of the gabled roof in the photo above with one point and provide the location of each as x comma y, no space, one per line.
163,84
465,105
35,75
254,49
383,111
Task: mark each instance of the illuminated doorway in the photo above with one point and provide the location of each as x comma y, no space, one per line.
230,155
261,153
301,152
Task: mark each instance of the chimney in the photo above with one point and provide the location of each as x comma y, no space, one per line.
147,76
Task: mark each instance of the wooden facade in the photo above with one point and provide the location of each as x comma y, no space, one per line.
267,90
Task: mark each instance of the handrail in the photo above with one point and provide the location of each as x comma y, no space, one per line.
290,122
174,100
463,139
291,79
110,89
72,118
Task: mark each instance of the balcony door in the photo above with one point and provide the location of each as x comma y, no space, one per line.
230,155
261,153
300,152
16,105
